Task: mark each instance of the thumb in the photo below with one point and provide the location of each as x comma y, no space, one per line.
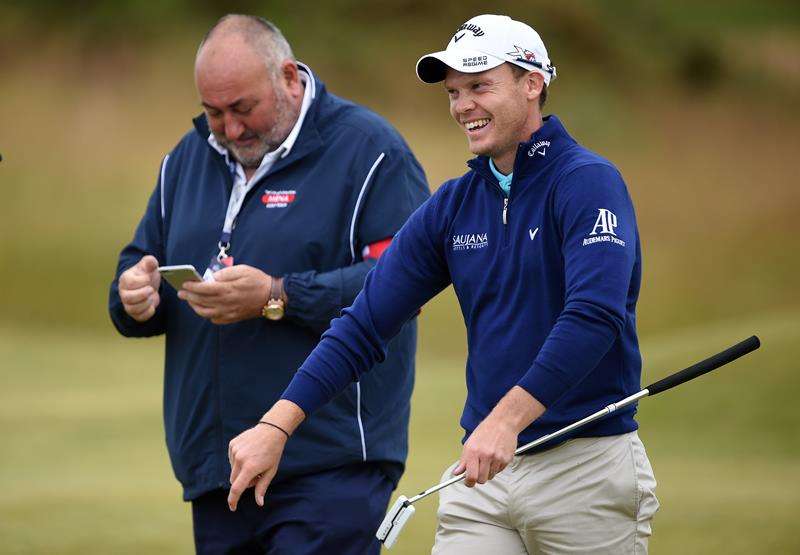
230,273
261,488
459,469
148,264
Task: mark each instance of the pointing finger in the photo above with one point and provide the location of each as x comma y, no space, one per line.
237,489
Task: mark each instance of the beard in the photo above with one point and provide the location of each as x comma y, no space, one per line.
267,141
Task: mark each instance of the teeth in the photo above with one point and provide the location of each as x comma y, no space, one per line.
477,124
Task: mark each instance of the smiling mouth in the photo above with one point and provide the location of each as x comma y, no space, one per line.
476,125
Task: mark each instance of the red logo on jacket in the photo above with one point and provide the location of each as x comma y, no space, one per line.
278,199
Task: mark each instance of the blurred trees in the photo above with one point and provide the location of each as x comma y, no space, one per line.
623,41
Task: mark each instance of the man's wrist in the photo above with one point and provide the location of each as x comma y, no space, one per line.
517,409
275,426
275,299
286,415
282,290
263,294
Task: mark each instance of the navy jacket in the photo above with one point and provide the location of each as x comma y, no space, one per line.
547,281
350,180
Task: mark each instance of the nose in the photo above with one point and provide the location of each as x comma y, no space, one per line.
233,127
463,104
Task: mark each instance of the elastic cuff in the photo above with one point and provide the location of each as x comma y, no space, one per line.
292,295
546,386
305,392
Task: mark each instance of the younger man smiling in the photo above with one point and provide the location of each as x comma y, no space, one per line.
539,240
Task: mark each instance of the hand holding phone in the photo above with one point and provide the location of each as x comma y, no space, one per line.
177,275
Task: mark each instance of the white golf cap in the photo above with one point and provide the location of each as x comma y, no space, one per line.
484,42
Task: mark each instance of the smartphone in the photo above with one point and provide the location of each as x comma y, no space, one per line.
176,276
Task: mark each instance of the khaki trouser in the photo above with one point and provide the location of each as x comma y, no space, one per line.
588,495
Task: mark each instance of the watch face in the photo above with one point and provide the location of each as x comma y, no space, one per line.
274,311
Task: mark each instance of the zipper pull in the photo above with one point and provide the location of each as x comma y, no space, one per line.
505,210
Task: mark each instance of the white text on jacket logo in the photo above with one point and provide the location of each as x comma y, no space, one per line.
470,241
278,199
539,147
605,224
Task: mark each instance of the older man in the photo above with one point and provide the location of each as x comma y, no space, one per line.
304,190
539,240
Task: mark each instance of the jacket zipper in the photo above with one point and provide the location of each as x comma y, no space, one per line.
505,221
506,199
218,427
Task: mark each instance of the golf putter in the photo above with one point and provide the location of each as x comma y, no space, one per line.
403,508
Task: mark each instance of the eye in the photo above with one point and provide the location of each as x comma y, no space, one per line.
243,111
212,113
478,86
452,93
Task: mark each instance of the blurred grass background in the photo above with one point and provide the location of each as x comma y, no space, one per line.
698,103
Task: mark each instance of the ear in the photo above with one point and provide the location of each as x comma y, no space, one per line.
534,83
289,76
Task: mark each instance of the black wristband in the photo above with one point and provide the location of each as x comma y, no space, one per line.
275,426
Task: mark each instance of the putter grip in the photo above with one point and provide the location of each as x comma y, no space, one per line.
711,363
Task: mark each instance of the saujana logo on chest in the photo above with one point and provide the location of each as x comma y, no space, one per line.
470,241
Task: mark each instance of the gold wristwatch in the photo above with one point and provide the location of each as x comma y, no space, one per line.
276,304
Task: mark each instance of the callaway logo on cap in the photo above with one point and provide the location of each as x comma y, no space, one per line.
484,42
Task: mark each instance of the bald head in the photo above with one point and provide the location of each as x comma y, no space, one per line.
253,37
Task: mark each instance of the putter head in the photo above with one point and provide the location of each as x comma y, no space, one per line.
394,521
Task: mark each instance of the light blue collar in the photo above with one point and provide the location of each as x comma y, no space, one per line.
505,180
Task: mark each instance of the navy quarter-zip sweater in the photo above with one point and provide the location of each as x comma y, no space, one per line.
547,280
349,180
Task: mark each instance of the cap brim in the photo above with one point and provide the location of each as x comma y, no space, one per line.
432,68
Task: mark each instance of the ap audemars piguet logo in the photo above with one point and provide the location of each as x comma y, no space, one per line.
470,241
604,229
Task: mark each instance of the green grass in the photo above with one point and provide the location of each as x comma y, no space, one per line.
84,466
